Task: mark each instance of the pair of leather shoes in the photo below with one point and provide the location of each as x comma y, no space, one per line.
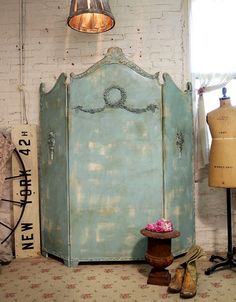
185,278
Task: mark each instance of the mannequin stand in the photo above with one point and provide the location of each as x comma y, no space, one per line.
229,261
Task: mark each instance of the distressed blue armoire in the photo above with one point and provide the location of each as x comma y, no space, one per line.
116,154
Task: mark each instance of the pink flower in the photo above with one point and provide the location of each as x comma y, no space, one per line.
204,295
71,286
227,276
201,91
162,225
108,270
45,270
143,286
163,295
23,277
125,277
57,277
216,284
86,296
35,285
125,296
48,295
107,286
10,295
151,227
91,278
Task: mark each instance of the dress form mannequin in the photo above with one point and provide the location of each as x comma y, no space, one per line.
222,163
222,166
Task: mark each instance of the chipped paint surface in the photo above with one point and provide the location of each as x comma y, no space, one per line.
95,167
178,164
53,176
106,180
102,228
132,213
119,166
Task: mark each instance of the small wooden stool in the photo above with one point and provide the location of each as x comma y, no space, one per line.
159,255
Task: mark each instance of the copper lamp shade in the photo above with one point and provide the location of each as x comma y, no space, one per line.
90,16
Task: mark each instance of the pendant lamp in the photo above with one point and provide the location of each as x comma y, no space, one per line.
90,16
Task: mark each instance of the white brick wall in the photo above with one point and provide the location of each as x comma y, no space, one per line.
152,33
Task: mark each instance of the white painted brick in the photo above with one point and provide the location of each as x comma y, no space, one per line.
152,34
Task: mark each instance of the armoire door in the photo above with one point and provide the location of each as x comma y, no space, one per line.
115,160
53,170
116,154
178,163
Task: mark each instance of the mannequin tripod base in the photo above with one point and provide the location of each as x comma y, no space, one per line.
224,262
229,261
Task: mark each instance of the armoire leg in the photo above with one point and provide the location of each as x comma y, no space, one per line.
45,254
71,263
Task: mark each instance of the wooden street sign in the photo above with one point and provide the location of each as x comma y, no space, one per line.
26,192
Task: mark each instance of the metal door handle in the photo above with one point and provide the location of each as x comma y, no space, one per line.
51,143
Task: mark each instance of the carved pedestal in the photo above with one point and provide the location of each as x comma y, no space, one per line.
159,255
